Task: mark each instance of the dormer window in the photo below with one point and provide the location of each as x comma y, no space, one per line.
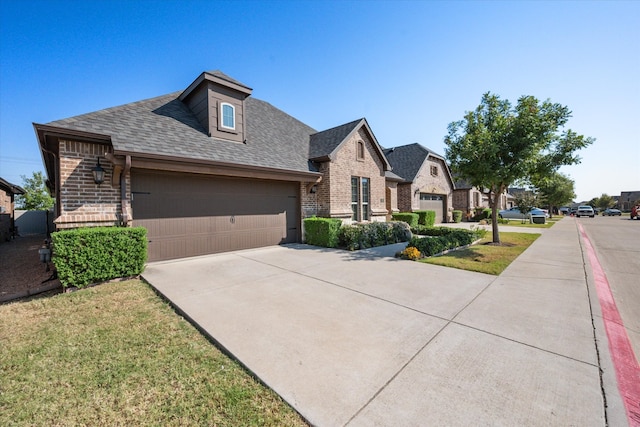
228,120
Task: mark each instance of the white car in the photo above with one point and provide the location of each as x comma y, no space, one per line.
585,211
514,213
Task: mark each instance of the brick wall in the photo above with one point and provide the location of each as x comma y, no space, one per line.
83,202
334,191
426,182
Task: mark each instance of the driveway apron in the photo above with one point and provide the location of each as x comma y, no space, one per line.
361,338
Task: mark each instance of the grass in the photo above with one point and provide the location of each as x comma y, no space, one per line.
518,223
486,258
116,354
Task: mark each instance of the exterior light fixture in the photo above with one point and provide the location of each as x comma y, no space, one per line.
98,173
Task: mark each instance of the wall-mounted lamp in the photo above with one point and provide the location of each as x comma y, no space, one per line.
98,173
314,189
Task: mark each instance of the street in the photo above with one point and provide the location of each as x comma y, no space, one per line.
617,243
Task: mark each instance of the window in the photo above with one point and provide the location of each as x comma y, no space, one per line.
360,150
355,198
434,170
228,118
365,199
360,195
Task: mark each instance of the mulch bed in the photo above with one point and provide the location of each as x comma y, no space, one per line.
21,272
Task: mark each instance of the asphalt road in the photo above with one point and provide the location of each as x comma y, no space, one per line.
617,244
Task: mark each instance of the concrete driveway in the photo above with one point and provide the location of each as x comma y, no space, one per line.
361,338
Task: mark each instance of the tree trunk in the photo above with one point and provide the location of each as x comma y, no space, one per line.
494,216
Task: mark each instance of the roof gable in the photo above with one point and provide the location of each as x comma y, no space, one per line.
324,145
407,160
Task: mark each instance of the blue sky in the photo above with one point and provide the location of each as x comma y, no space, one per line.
409,67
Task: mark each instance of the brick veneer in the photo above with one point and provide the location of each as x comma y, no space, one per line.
425,182
334,191
82,202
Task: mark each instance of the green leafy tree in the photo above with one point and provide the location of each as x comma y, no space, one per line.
36,196
556,190
605,201
497,144
525,202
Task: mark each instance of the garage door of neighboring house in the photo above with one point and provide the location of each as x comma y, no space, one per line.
188,215
433,202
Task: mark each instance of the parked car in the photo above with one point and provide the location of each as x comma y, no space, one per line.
564,210
514,213
585,211
611,212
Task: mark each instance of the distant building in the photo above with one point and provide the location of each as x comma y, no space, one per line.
627,199
7,205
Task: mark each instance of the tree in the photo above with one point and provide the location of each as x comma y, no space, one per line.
525,202
605,201
556,190
36,196
496,145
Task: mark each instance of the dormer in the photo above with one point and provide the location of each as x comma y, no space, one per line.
217,101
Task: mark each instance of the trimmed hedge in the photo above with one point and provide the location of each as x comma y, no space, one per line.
442,241
457,216
410,218
90,255
322,231
427,218
369,235
482,213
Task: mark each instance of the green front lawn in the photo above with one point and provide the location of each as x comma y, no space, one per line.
116,354
485,258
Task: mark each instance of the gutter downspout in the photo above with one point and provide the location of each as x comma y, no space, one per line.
123,190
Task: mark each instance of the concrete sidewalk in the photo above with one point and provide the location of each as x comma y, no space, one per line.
360,338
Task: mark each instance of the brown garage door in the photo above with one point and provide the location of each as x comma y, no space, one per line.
433,202
187,215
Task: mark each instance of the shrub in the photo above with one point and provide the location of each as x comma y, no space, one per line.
410,218
362,236
91,255
322,231
457,216
411,252
427,218
482,213
443,239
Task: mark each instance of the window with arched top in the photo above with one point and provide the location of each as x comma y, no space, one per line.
360,150
228,116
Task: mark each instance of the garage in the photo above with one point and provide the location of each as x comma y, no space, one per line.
433,202
188,215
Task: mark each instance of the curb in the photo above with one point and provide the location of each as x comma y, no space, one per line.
30,292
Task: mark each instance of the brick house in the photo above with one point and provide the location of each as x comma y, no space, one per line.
467,198
426,180
8,192
212,169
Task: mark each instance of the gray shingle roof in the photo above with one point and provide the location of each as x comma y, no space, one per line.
407,160
324,143
165,126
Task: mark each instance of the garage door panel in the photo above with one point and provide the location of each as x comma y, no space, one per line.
187,215
433,202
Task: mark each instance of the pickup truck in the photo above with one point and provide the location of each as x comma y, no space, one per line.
635,212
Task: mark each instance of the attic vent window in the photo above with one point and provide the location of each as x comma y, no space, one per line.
228,116
434,170
360,150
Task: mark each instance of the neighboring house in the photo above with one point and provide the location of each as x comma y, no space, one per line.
426,180
467,198
627,199
211,169
7,209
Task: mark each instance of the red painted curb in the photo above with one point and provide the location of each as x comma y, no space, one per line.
624,359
